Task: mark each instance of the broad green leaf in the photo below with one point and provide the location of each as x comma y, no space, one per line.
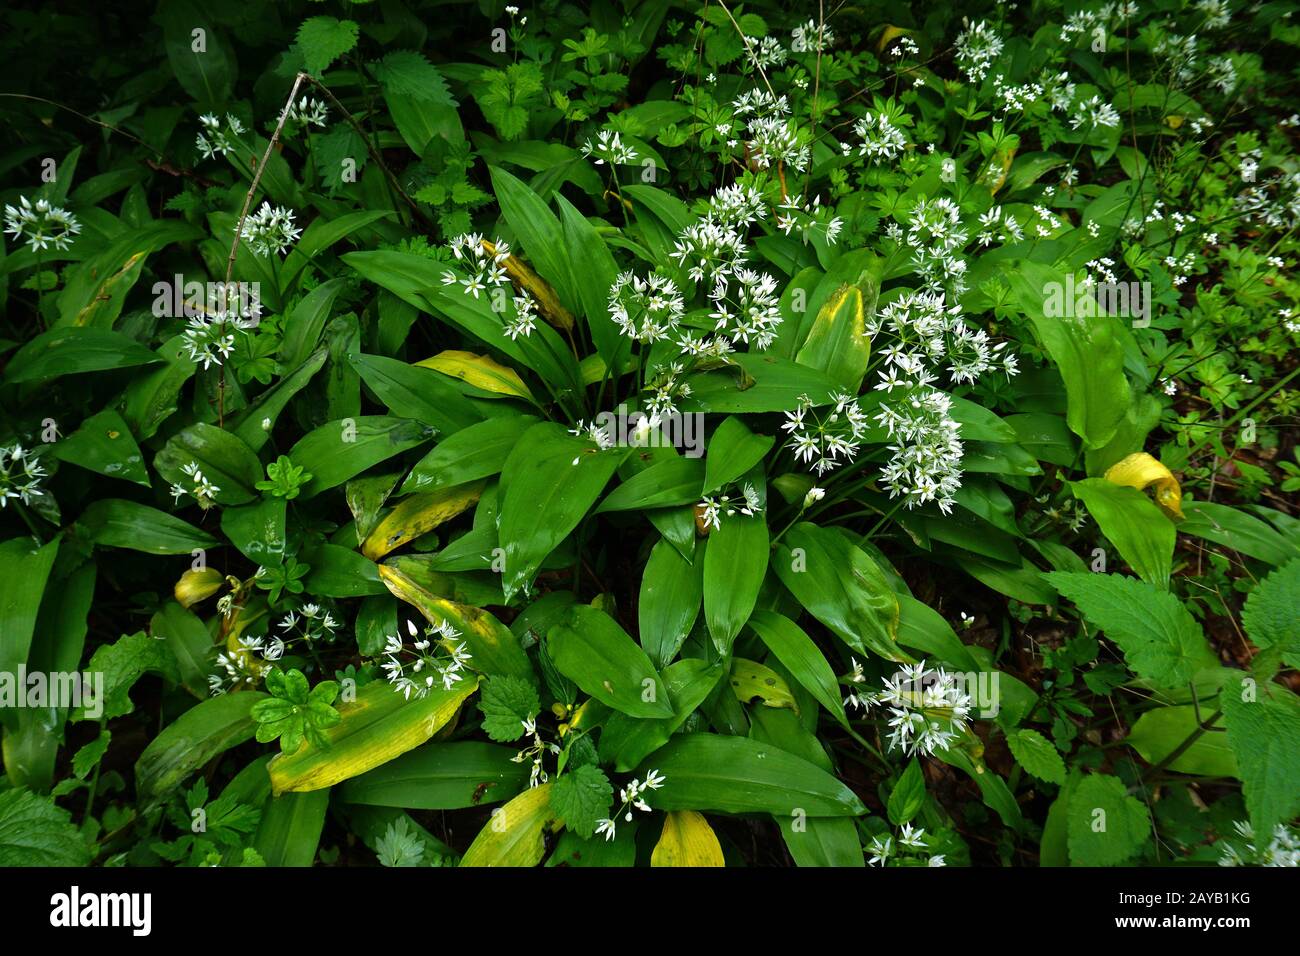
842,587
539,232
548,484
104,444
223,458
801,657
477,451
25,570
1085,348
117,523
670,481
208,728
1141,532
1159,732
629,740
207,75
289,832
1237,530
337,451
72,350
757,382
1159,637
258,530
733,451
737,775
337,571
441,776
687,840
416,392
152,396
592,281
735,563
599,656
376,727
669,602
908,795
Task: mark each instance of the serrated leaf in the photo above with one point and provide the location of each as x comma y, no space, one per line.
35,832
580,799
1263,722
507,702
1036,754
1270,616
1106,826
323,40
1159,637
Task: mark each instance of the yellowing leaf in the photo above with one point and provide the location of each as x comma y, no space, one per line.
376,727
481,371
418,514
837,343
548,303
513,836
195,586
889,34
1139,470
750,679
687,840
494,648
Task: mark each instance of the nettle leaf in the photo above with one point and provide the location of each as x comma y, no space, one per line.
1037,755
408,73
1263,722
323,40
507,703
35,832
1106,826
581,799
1270,616
1159,637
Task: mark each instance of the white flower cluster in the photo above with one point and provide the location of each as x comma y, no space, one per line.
41,224
808,37
827,441
209,340
609,148
937,237
977,47
1108,17
632,795
417,669
795,215
927,709
486,270
1092,113
270,230
765,52
713,507
308,111
1282,849
645,310
906,850
310,623
1275,203
881,139
535,752
20,475
246,664
202,490
998,225
771,136
525,317
212,140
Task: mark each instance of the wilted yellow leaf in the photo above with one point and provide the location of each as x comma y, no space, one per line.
548,303
750,679
481,371
687,840
376,727
417,514
1139,470
195,586
513,834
